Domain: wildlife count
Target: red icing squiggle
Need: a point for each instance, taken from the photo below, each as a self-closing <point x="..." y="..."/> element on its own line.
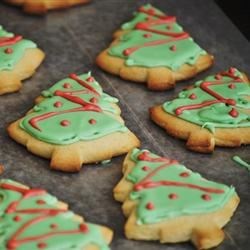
<point x="131" y="50"/>
<point x="145" y="156"/>
<point x="33" y="121"/>
<point x="219" y="99"/>
<point x="6" y="41"/>
<point x="84" y="84"/>
<point x="180" y="110"/>
<point x="150" y="12"/>
<point x="26" y="192"/>
<point x="205" y="86"/>
<point x="166" y="20"/>
<point x="15" y="241"/>
<point x="77" y="100"/>
<point x="147" y="182"/>
<point x="148" y="26"/>
<point x="70" y="96"/>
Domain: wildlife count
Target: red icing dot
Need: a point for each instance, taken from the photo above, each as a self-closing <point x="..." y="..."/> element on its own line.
<point x="233" y="112"/>
<point x="150" y="206"/>
<point x="53" y="226"/>
<point x="72" y="75"/>
<point x="231" y="86"/>
<point x="126" y="52"/>
<point x="232" y="70"/>
<point x="65" y="123"/>
<point x="178" y="112"/>
<point x="142" y="25"/>
<point x="173" y="196"/>
<point x="92" y="121"/>
<point x="138" y="188"/>
<point x="57" y="104"/>
<point x="8" y="51"/>
<point x="192" y="96"/>
<point x="40" y="202"/>
<point x="151" y="11"/>
<point x="93" y="100"/>
<point x="41" y="245"/>
<point x="184" y="174"/>
<point x="67" y="85"/>
<point x="168" y="27"/>
<point x="17" y="218"/>
<point x="90" y="79"/>
<point x="206" y="197"/>
<point x="218" y="77"/>
<point x="231" y="101"/>
<point x="147" y="35"/>
<point x="84" y="228"/>
<point x="143" y="156"/>
<point x="145" y="168"/>
<point x="173" y="48"/>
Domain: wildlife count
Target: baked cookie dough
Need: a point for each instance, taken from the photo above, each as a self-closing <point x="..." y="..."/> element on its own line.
<point x="74" y="122"/>
<point x="214" y="112"/>
<point x="165" y="201"/>
<point x="154" y="49"/>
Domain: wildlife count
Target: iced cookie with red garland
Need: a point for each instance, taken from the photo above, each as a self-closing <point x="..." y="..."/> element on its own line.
<point x="42" y="6"/>
<point x="19" y="59"/>
<point x="34" y="219"/>
<point x="165" y="201"/>
<point x="214" y="112"/>
<point x="74" y="122"/>
<point x="153" y="48"/>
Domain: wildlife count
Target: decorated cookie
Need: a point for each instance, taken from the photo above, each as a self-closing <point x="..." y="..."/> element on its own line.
<point x="42" y="6"/>
<point x="19" y="59"/>
<point x="165" y="201"/>
<point x="34" y="219"/>
<point x="215" y="111"/>
<point x="74" y="122"/>
<point x="154" y="48"/>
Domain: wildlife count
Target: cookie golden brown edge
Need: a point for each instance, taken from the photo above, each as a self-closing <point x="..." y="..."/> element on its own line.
<point x="165" y="201"/>
<point x="213" y="112"/>
<point x="153" y="49"/>
<point x="73" y="123"/>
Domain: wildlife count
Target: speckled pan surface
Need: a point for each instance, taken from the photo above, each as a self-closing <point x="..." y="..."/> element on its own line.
<point x="71" y="40"/>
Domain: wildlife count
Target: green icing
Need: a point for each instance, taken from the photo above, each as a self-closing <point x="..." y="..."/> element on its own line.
<point x="140" y="16"/>
<point x="64" y="222"/>
<point x="187" y="51"/>
<point x="8" y="61"/>
<point x="189" y="201"/>
<point x="4" y="33"/>
<point x="79" y="128"/>
<point x="215" y="115"/>
<point x="241" y="162"/>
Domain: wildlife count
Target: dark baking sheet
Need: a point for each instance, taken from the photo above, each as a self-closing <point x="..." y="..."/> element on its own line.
<point x="71" y="40"/>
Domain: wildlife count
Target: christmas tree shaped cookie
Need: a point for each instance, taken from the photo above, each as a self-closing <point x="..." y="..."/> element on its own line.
<point x="18" y="60"/>
<point x="42" y="6"/>
<point x="215" y="111"/>
<point x="74" y="122"/>
<point x="34" y="219"/>
<point x="154" y="48"/>
<point x="165" y="201"/>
